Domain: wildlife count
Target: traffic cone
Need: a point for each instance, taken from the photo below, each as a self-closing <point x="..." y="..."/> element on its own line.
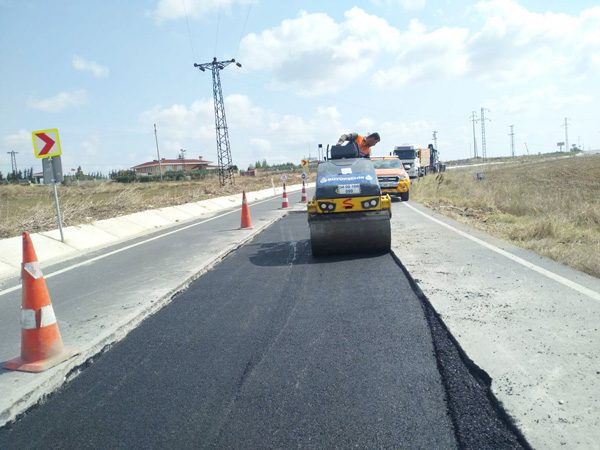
<point x="285" y="203"/>
<point x="303" y="199"/>
<point x="246" y="222"/>
<point x="41" y="345"/>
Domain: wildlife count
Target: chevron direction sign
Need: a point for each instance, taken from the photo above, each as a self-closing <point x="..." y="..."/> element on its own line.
<point x="46" y="143"/>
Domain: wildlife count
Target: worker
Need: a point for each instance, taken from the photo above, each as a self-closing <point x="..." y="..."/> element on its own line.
<point x="364" y="144"/>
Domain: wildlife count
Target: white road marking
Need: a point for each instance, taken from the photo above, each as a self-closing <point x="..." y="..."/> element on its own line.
<point x="114" y="252"/>
<point x="579" y="288"/>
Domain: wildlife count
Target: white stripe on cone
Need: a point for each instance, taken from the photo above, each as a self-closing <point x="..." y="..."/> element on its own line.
<point x="47" y="317"/>
<point x="33" y="269"/>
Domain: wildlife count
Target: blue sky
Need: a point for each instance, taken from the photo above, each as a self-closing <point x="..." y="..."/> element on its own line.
<point x="104" y="72"/>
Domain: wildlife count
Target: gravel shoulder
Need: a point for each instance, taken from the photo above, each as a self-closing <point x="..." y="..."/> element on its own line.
<point x="531" y="324"/>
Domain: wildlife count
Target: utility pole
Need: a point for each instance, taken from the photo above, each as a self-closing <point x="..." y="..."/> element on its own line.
<point x="474" y="120"/>
<point x="483" y="149"/>
<point x="566" y="125"/>
<point x="13" y="161"/>
<point x="512" y="141"/>
<point x="435" y="139"/>
<point x="157" y="152"/>
<point x="223" y="149"/>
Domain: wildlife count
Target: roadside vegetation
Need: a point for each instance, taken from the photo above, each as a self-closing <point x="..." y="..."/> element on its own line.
<point x="31" y="207"/>
<point x="549" y="205"/>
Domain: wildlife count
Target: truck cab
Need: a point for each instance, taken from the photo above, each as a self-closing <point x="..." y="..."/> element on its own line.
<point x="410" y="157"/>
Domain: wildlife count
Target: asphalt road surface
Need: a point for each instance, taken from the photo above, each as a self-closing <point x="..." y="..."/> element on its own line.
<point x="273" y="348"/>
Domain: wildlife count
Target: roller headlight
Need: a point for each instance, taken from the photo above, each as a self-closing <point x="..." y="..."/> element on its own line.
<point x="370" y="203"/>
<point x="327" y="206"/>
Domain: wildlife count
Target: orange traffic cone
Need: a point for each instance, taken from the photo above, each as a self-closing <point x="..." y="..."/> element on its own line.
<point x="303" y="199"/>
<point x="285" y="203"/>
<point x="246" y="222"/>
<point x="41" y="345"/>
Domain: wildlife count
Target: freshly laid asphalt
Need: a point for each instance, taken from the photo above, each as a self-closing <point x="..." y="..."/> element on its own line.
<point x="524" y="327"/>
<point x="273" y="348"/>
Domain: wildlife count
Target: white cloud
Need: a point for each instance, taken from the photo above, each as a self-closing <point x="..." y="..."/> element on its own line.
<point x="404" y="4"/>
<point x="241" y="113"/>
<point x="89" y="66"/>
<point x="194" y="9"/>
<point x="60" y="102"/>
<point x="515" y="45"/>
<point x="260" y="149"/>
<point x="533" y="103"/>
<point x="426" y="56"/>
<point x="397" y="133"/>
<point x="257" y="134"/>
<point x="512" y="46"/>
<point x="313" y="54"/>
<point x="295" y="132"/>
<point x="366" y="125"/>
<point x="410" y="4"/>
<point x="22" y="140"/>
<point x="90" y="147"/>
<point x="179" y="124"/>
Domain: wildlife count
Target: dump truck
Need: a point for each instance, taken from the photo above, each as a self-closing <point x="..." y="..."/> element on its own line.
<point x="348" y="213"/>
<point x="419" y="162"/>
<point x="409" y="155"/>
<point x="435" y="165"/>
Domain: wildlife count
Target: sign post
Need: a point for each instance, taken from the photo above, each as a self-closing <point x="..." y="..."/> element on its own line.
<point x="46" y="145"/>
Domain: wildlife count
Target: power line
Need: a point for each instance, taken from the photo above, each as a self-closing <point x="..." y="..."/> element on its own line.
<point x="243" y="29"/>
<point x="218" y="23"/>
<point x="189" y="32"/>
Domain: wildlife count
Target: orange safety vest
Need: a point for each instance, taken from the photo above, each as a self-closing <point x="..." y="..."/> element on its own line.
<point x="362" y="148"/>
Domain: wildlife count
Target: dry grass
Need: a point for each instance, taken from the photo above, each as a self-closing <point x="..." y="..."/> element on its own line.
<point x="32" y="208"/>
<point x="549" y="206"/>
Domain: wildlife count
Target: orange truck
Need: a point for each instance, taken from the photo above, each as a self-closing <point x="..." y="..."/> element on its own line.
<point x="391" y="176"/>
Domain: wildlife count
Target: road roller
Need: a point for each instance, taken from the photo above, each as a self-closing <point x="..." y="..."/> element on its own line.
<point x="348" y="213"/>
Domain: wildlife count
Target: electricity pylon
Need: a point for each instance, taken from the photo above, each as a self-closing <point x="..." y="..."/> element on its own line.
<point x="566" y="125"/>
<point x="474" y="120"/>
<point x="13" y="161"/>
<point x="512" y="141"/>
<point x="483" y="143"/>
<point x="223" y="149"/>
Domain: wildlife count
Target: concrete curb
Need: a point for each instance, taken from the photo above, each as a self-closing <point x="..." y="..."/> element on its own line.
<point x="85" y="238"/>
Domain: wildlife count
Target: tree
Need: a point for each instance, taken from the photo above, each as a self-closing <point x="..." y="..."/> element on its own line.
<point x="79" y="174"/>
<point x="265" y="164"/>
<point x="257" y="165"/>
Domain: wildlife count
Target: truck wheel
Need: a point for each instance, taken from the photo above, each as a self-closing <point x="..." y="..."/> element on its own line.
<point x="404" y="196"/>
